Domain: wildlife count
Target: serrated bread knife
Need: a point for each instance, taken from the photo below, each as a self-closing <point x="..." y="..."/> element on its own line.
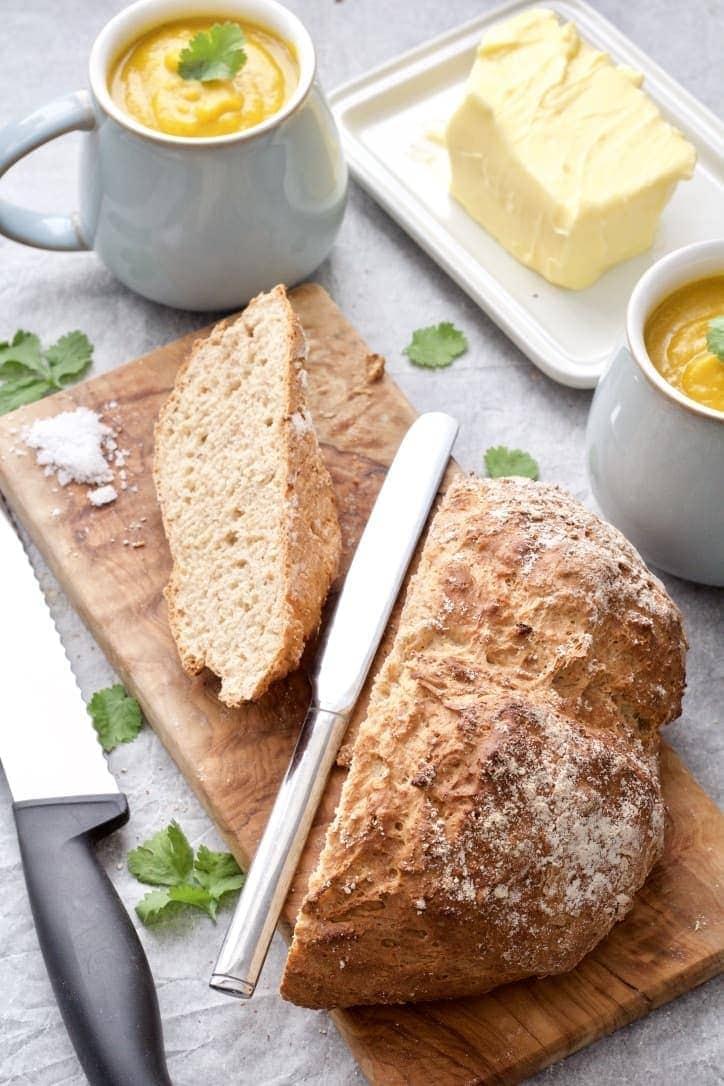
<point x="65" y="799"/>
<point x="343" y="660"/>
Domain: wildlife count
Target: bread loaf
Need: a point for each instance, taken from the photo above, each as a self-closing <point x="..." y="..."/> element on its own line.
<point x="503" y="803"/>
<point x="247" y="502"/>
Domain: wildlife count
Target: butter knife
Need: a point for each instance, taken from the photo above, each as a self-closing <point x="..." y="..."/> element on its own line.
<point x="343" y="660"/>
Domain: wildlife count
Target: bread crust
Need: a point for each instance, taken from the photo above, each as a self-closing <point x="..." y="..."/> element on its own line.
<point x="309" y="533"/>
<point x="503" y="803"/>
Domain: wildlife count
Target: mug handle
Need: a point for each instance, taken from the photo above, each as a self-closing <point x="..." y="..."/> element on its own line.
<point x="43" y="231"/>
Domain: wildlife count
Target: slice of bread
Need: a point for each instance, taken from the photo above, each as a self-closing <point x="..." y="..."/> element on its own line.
<point x="247" y="502"/>
<point x="503" y="803"/>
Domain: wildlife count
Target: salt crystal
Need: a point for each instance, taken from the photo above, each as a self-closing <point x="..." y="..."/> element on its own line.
<point x="102" y="495"/>
<point x="71" y="445"/>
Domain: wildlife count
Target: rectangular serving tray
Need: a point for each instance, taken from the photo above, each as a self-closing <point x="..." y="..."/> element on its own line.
<point x="388" y="119"/>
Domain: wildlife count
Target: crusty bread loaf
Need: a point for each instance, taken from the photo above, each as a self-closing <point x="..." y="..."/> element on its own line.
<point x="247" y="502"/>
<point x="503" y="803"/>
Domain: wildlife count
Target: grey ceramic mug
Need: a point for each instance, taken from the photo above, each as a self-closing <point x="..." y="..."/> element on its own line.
<point x="194" y="223"/>
<point x="656" y="458"/>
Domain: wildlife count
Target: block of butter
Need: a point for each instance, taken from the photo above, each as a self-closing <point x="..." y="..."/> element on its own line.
<point x="558" y="152"/>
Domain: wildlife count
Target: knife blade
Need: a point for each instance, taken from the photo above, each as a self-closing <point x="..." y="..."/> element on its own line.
<point x="64" y="799"/>
<point x="55" y="752"/>
<point x="343" y="660"/>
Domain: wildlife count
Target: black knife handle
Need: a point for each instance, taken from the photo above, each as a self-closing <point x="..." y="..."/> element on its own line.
<point x="94" y="958"/>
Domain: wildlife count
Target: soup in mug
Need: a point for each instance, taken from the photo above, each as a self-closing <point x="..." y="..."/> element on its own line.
<point x="675" y="336"/>
<point x="145" y="82"/>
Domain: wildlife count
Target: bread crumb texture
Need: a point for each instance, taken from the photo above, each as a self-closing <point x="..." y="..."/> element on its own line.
<point x="503" y="803"/>
<point x="247" y="502"/>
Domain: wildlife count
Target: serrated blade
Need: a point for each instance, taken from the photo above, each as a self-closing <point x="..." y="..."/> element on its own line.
<point x="48" y="747"/>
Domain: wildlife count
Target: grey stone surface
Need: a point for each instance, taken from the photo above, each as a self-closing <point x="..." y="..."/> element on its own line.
<point x="387" y="287"/>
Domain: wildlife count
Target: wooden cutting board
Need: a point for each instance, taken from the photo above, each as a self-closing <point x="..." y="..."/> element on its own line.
<point x="113" y="564"/>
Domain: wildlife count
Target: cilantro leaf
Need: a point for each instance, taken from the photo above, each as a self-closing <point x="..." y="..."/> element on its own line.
<point x="20" y="390"/>
<point x="23" y="354"/>
<point x="436" y="346"/>
<point x="501" y="461"/>
<point x="116" y="716"/>
<point x="156" y="903"/>
<point x="69" y="357"/>
<point x="715" y="337"/>
<point x="27" y="373"/>
<point x="152" y="904"/>
<point x="190" y="894"/>
<point x="216" y="54"/>
<point x="217" y="872"/>
<point x="166" y="859"/>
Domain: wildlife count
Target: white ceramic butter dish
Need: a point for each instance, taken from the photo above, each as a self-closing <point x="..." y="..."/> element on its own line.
<point x="388" y="120"/>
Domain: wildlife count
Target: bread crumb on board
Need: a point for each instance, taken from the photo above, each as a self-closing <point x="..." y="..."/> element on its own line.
<point x="374" y="367"/>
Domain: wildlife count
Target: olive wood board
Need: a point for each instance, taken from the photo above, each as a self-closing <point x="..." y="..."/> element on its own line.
<point x="113" y="563"/>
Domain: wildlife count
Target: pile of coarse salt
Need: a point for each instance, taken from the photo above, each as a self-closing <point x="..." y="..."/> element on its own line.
<point x="74" y="446"/>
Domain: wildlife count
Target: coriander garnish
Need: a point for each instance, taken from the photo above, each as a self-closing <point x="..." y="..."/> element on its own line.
<point x="501" y="461"/>
<point x="436" y="346"/>
<point x="116" y="716"/>
<point x="27" y="373"/>
<point x="214" y="54"/>
<point x="167" y="861"/>
<point x="715" y="337"/>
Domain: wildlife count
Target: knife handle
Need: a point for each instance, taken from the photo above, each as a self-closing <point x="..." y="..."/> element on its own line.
<point x="94" y="958"/>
